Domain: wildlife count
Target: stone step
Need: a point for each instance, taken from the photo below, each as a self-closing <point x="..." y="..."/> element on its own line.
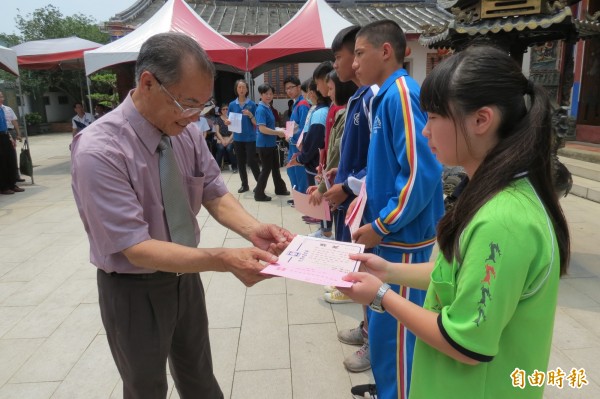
<point x="587" y="170"/>
<point x="586" y="188"/>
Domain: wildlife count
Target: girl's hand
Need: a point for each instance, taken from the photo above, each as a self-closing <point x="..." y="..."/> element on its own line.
<point x="330" y="174"/>
<point x="364" y="289"/>
<point x="315" y="197"/>
<point x="374" y="265"/>
<point x="247" y="113"/>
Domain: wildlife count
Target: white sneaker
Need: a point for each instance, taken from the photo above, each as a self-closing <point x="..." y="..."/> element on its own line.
<point x="319" y="234"/>
<point x="329" y="288"/>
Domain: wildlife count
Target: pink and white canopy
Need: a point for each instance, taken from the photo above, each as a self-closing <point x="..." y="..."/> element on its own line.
<point x="173" y="16"/>
<point x="65" y="53"/>
<point x="8" y="61"/>
<point x="313" y="28"/>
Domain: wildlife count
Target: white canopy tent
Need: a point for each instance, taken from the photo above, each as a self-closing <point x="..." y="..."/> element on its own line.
<point x="173" y="16"/>
<point x="8" y="62"/>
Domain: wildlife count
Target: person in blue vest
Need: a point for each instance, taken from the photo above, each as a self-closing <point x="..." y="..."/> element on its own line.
<point x="404" y="192"/>
<point x="266" y="144"/>
<point x="300" y="107"/>
<point x="244" y="143"/>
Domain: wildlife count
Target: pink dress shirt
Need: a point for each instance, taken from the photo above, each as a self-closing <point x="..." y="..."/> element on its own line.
<point x="115" y="180"/>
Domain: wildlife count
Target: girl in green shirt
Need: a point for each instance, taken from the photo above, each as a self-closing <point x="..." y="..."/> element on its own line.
<point x="487" y="321"/>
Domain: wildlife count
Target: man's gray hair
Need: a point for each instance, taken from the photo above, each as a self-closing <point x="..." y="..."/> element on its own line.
<point x="164" y="53"/>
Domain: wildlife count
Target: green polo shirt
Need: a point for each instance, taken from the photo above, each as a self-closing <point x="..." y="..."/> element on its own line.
<point x="497" y="305"/>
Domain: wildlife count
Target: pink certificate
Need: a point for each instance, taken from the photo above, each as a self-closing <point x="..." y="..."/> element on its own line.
<point x="317" y="261"/>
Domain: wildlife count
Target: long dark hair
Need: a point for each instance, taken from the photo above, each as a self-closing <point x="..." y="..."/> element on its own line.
<point x="343" y="90"/>
<point x="486" y="76"/>
<point x="312" y="86"/>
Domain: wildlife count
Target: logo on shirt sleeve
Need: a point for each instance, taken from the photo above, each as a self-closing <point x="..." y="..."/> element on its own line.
<point x="486" y="283"/>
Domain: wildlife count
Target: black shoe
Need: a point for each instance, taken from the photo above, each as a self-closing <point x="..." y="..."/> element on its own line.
<point x="254" y="190"/>
<point x="266" y="198"/>
<point x="243" y="189"/>
<point x="290" y="202"/>
<point x="20" y="180"/>
<point x="283" y="193"/>
<point x="364" y="391"/>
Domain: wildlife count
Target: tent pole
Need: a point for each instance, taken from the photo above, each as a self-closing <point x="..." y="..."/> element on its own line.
<point x="22" y="115"/>
<point x="87" y="79"/>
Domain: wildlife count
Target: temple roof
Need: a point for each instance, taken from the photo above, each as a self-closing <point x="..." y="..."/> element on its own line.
<point x="265" y="17"/>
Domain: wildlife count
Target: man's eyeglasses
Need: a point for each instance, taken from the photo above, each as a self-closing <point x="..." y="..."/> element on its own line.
<point x="185" y="111"/>
<point x="290" y="87"/>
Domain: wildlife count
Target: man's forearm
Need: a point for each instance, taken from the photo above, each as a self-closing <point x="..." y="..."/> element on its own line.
<point x="171" y="257"/>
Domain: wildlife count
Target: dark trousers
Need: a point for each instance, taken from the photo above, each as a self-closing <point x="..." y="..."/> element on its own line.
<point x="149" y="319"/>
<point x="8" y="162"/>
<point x="269" y="158"/>
<point x="246" y="154"/>
<point x="221" y="150"/>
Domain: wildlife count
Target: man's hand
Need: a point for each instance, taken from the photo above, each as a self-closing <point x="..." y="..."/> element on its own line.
<point x="270" y="237"/>
<point x="244" y="263"/>
<point x="335" y="195"/>
<point x="367" y="236"/>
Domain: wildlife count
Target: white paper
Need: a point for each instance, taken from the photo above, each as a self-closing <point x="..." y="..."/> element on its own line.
<point x="317" y="261"/>
<point x="290" y="126"/>
<point x="236" y="122"/>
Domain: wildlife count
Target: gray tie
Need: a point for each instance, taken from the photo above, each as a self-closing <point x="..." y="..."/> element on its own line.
<point x="174" y="197"/>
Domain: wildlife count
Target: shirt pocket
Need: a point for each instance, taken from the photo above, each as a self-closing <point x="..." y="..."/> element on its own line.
<point x="195" y="188"/>
<point x="443" y="284"/>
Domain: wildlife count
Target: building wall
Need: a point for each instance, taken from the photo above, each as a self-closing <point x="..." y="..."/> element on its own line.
<point x="56" y="112"/>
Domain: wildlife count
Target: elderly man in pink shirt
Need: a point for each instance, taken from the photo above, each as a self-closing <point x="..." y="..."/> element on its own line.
<point x="150" y="293"/>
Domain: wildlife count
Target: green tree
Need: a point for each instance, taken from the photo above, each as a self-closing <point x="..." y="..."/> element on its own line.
<point x="49" y="23"/>
<point x="104" y="85"/>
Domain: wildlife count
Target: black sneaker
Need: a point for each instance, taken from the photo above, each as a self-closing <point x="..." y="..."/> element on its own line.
<point x="243" y="189"/>
<point x="290" y="202"/>
<point x="365" y="391"/>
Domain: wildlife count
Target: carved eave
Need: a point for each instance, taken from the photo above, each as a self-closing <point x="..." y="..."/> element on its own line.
<point x="590" y="27"/>
<point x="529" y="29"/>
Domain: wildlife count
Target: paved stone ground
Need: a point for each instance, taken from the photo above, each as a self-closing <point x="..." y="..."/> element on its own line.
<point x="274" y="340"/>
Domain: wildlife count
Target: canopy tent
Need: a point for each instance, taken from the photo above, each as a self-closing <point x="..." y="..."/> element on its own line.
<point x="173" y="16"/>
<point x="66" y="53"/>
<point x="292" y="43"/>
<point x="8" y="60"/>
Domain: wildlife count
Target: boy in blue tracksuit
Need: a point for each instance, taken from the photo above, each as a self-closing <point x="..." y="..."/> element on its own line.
<point x="404" y="192"/>
<point x="297" y="174"/>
